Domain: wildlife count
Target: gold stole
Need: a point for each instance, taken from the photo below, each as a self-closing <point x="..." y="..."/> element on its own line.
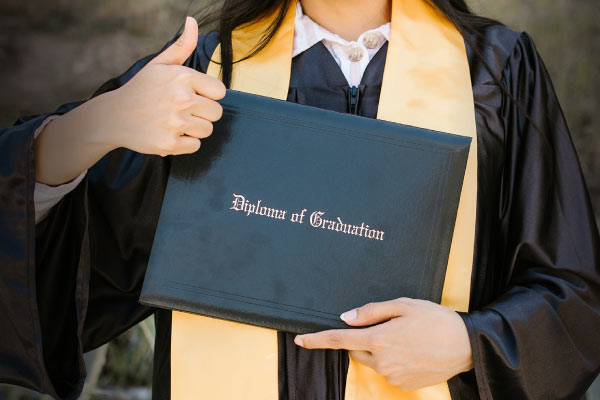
<point x="426" y="83"/>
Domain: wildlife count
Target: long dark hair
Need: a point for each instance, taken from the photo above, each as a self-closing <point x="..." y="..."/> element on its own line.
<point x="226" y="15"/>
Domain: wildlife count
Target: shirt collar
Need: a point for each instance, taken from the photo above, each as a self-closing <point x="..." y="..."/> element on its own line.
<point x="307" y="33"/>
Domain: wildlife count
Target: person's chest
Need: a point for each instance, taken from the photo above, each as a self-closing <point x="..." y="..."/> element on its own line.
<point x="317" y="80"/>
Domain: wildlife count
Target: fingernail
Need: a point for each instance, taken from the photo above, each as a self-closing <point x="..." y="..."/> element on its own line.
<point x="348" y="316"/>
<point x="298" y="341"/>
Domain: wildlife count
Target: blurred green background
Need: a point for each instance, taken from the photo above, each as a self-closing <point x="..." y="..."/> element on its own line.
<point x="53" y="52"/>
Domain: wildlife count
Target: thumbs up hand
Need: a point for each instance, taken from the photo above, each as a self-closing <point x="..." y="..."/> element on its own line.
<point x="165" y="108"/>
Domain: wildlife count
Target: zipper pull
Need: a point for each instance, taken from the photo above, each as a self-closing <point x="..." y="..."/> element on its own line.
<point x="353" y="100"/>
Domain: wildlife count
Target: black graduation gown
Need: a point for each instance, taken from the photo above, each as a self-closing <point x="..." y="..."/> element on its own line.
<point x="71" y="283"/>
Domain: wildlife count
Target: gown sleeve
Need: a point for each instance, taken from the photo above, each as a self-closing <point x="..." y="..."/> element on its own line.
<point x="540" y="337"/>
<point x="72" y="282"/>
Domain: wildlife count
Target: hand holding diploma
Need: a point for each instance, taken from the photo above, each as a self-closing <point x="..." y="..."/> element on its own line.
<point x="165" y="109"/>
<point x="417" y="343"/>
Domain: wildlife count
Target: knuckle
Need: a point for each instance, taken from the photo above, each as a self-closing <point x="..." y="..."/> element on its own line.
<point x="405" y="301"/>
<point x="176" y="123"/>
<point x="178" y="76"/>
<point x="334" y="340"/>
<point x="182" y="99"/>
<point x="185" y="74"/>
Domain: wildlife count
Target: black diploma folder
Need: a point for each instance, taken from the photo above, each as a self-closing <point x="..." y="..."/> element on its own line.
<point x="289" y="215"/>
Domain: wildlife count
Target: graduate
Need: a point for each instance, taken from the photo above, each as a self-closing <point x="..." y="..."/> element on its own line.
<point x="82" y="187"/>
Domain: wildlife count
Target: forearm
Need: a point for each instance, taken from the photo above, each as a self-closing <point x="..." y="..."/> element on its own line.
<point x="72" y="143"/>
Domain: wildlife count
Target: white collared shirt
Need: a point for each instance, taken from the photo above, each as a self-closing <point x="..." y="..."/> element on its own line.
<point x="352" y="58"/>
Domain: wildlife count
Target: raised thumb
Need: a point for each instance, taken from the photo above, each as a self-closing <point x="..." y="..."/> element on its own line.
<point x="182" y="48"/>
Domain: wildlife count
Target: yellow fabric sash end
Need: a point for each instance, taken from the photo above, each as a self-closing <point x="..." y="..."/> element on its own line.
<point x="427" y="84"/>
<point x="217" y="359"/>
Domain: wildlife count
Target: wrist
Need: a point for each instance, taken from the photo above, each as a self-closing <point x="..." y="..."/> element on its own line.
<point x="464" y="351"/>
<point x="92" y="123"/>
<point x="69" y="145"/>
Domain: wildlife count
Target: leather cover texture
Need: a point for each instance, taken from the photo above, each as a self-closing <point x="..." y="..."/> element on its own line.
<point x="289" y="215"/>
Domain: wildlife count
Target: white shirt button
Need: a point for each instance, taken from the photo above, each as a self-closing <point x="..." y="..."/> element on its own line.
<point x="355" y="53"/>
<point x="371" y="40"/>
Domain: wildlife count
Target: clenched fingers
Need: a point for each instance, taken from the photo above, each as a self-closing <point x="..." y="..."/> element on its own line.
<point x="197" y="127"/>
<point x="205" y="108"/>
<point x="207" y="86"/>
<point x="186" y="145"/>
